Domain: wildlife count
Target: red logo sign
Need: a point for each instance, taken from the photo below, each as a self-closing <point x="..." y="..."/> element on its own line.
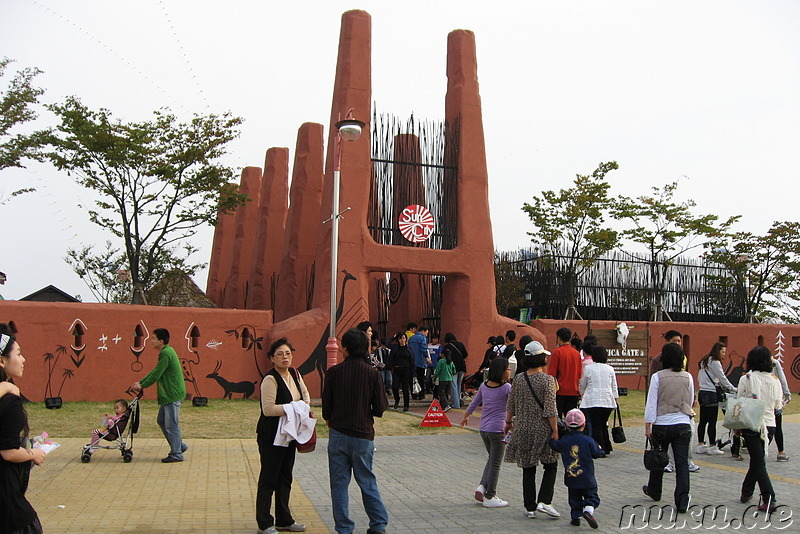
<point x="416" y="223"/>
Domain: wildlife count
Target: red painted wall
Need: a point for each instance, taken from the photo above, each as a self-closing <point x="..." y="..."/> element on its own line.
<point x="102" y="364"/>
<point x="697" y="341"/>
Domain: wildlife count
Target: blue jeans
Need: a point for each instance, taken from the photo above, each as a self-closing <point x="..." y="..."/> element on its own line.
<point x="168" y="421"/>
<point x="386" y="374"/>
<point x="680" y="437"/>
<point x="455" y="397"/>
<point x="347" y="455"/>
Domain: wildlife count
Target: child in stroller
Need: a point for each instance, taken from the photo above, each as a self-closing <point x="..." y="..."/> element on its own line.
<point x="109" y="422"/>
<point x="119" y="430"/>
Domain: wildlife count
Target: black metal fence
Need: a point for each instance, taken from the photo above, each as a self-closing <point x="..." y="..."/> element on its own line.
<point x="618" y="287"/>
<point x="415" y="162"/>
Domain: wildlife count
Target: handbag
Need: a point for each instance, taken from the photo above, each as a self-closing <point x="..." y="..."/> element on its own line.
<point x="563" y="430"/>
<point x="744" y="412"/>
<point x="655" y="458"/>
<point x="721" y="396"/>
<point x="309" y="445"/>
<point x="415" y="387"/>
<point x="617" y="432"/>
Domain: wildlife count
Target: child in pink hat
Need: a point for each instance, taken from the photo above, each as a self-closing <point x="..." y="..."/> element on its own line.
<point x="578" y="452"/>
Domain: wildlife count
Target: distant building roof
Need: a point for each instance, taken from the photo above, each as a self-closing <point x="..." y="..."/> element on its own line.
<point x="50" y="294"/>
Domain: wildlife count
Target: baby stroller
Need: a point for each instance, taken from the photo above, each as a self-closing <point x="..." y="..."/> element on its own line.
<point x="471" y="383"/>
<point x="120" y="434"/>
<point x="736" y="442"/>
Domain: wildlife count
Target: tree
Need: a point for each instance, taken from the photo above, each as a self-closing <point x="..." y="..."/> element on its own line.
<point x="570" y="222"/>
<point x="762" y="268"/>
<point x="158" y="181"/>
<point x="16" y="108"/>
<point x="667" y="229"/>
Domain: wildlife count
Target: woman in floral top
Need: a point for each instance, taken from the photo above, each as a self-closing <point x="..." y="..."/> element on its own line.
<point x="532" y="417"/>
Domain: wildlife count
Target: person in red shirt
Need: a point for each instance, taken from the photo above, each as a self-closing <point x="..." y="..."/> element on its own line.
<point x="564" y="365"/>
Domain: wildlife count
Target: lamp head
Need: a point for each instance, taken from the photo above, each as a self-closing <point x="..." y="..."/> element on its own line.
<point x="350" y="129"/>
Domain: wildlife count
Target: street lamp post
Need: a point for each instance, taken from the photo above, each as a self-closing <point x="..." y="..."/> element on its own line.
<point x="349" y="130"/>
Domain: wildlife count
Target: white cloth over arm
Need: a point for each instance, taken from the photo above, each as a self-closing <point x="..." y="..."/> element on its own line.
<point x="295" y="425"/>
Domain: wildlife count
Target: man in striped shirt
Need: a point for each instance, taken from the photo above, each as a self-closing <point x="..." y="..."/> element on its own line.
<point x="352" y="395"/>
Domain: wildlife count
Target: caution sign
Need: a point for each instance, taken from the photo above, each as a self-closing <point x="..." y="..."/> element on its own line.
<point x="435" y="416"/>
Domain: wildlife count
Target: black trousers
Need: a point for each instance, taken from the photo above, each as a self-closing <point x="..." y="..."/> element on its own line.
<point x="757" y="472"/>
<point x="401" y="378"/>
<point x="529" y="497"/>
<point x="275" y="478"/>
<point x="679" y="436"/>
<point x="421" y="380"/>
<point x="565" y="403"/>
<point x="597" y="424"/>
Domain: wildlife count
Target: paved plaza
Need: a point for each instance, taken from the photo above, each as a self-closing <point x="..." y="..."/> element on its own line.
<point x="426" y="482"/>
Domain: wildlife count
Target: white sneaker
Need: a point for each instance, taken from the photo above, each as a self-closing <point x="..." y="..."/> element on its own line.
<point x="693" y="467"/>
<point x="548" y="510"/>
<point x="701" y="449"/>
<point x="713" y="451"/>
<point x="669" y="468"/>
<point x="530" y="515"/>
<point x="494" y="502"/>
<point x="479" y="491"/>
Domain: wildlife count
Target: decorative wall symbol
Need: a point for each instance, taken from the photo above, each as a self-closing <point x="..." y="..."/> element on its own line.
<point x="213" y="344"/>
<point x="102" y="340"/>
<point x="140" y="335"/>
<point x="250" y="342"/>
<point x="116" y="339"/>
<point x="319" y="357"/>
<point x="416" y="223"/>
<point x="78" y="330"/>
<point x="51" y="360"/>
<point x="245" y="388"/>
<point x="191" y="336"/>
<point x="779" y="346"/>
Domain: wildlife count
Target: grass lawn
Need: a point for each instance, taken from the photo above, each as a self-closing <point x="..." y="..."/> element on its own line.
<point x="238" y="418"/>
<point x="220" y="419"/>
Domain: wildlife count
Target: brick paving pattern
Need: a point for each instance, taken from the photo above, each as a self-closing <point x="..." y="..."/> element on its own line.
<point x="426" y="482"/>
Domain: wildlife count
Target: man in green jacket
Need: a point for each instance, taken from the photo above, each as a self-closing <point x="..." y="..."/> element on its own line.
<point x="168" y="377"/>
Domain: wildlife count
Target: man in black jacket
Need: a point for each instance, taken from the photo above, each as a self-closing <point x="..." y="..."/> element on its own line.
<point x="352" y="395"/>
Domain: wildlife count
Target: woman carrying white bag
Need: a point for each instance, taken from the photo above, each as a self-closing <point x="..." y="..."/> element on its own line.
<point x="759" y="383"/>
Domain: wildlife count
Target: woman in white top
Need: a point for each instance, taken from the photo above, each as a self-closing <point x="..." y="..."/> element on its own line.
<point x="760" y="383"/>
<point x="598" y="389"/>
<point x="281" y="385"/>
<point x="709" y="377"/>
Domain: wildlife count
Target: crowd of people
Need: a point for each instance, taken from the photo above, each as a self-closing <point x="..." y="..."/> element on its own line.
<point x="536" y="406"/>
<point x="525" y="391"/>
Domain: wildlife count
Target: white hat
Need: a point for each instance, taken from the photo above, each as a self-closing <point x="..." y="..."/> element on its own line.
<point x="534" y="347"/>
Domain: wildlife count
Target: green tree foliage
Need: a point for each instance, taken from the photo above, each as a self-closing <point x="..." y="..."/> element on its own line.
<point x="667" y="229"/>
<point x="17" y="101"/>
<point x="763" y="269"/>
<point x="570" y="222"/>
<point x="157" y="181"/>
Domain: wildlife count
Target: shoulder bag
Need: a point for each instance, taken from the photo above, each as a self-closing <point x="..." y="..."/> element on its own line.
<point x="721" y="396"/>
<point x="655" y="458"/>
<point x="562" y="426"/>
<point x="617" y="432"/>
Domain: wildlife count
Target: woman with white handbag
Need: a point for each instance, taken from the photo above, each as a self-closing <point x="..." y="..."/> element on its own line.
<point x="760" y="383"/>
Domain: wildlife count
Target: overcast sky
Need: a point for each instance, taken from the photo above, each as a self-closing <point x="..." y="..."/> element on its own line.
<point x="708" y="91"/>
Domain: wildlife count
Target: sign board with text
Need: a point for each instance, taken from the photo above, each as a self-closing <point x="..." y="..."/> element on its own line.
<point x="633" y="359"/>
